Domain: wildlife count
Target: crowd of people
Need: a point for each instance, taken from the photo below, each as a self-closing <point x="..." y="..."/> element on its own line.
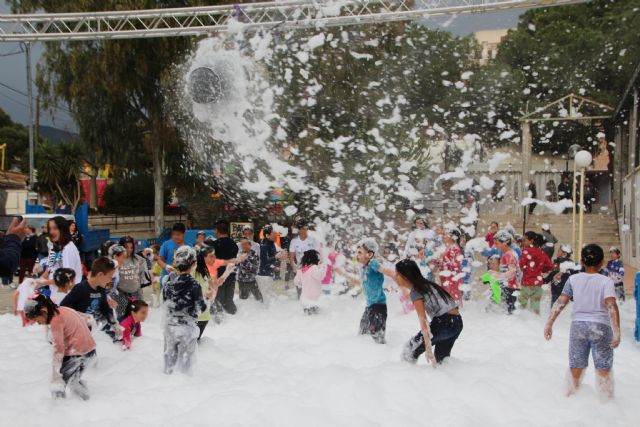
<point x="433" y="275"/>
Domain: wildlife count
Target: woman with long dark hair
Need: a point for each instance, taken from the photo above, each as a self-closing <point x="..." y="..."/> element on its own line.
<point x="431" y="302"/>
<point x="132" y="276"/>
<point x="62" y="253"/>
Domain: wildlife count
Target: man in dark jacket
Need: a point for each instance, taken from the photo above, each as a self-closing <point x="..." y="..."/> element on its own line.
<point x="29" y="253"/>
<point x="10" y="247"/>
<point x="268" y="257"/>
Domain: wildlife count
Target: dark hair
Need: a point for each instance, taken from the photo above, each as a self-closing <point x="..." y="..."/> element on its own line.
<point x="34" y="306"/>
<point x="134" y="305"/>
<point x="102" y="265"/>
<point x="268" y="229"/>
<point x="32" y="228"/>
<point x="536" y="238"/>
<point x="410" y="270"/>
<point x="179" y="227"/>
<point x="615" y="250"/>
<point x="496" y="223"/>
<point x="104" y="247"/>
<point x="222" y="227"/>
<point x="65" y="234"/>
<point x="201" y="266"/>
<point x="310" y="257"/>
<point x="302" y="222"/>
<point x="62" y="276"/>
<point x="424" y="221"/>
<point x="592" y="255"/>
<point x="455" y="233"/>
<point x="124" y="241"/>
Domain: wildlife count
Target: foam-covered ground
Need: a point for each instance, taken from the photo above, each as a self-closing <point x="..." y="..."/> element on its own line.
<point x="278" y="367"/>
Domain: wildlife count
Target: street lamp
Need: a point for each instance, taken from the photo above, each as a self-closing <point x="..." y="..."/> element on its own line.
<point x="573" y="150"/>
<point x="582" y="160"/>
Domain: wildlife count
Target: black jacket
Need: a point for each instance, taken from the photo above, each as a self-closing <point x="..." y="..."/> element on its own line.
<point x="10" y="248"/>
<point x="84" y="299"/>
<point x="226" y="248"/>
<point x="268" y="259"/>
<point x="29" y="250"/>
<point x="183" y="298"/>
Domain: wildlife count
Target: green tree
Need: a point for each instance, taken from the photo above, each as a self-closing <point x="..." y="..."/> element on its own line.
<point x="16" y="138"/>
<point x="59" y="167"/>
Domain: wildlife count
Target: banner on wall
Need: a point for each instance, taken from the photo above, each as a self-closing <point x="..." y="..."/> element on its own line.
<point x="101" y="185"/>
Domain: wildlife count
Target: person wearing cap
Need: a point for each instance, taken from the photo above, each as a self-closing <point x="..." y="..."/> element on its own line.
<point x="615" y="271"/>
<point x="301" y="244"/>
<point x="184" y="302"/>
<point x="247" y="233"/>
<point x="450" y="264"/>
<point x="509" y="269"/>
<point x="269" y="256"/>
<point x="550" y="241"/>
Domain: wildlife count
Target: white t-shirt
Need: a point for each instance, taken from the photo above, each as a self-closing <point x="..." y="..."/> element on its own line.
<point x="25" y="290"/>
<point x="58" y="296"/>
<point x="299" y="247"/>
<point x="69" y="257"/>
<point x="589" y="292"/>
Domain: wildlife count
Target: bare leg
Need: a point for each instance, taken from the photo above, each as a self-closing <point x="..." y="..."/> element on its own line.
<point x="574" y="379"/>
<point x="604" y="384"/>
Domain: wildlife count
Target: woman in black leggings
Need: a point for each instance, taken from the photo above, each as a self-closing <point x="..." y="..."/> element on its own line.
<point x="431" y="302"/>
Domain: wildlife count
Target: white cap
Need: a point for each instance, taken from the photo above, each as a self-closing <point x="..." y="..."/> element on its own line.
<point x="566" y="248"/>
<point x="545" y="227"/>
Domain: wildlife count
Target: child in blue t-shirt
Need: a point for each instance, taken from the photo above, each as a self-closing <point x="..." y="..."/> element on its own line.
<point x="374" y="319"/>
<point x="615" y="271"/>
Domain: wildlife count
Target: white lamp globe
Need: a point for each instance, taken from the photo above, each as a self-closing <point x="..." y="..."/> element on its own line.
<point x="583" y="159"/>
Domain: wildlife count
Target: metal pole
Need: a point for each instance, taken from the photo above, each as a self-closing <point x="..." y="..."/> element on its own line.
<point x="31" y="140"/>
<point x="573" y="220"/>
<point x="580" y="234"/>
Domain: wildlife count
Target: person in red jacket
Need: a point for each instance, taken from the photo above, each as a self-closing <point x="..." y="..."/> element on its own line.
<point x="533" y="263"/>
<point x="137" y="311"/>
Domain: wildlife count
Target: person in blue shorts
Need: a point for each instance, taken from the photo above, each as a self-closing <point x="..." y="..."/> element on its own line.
<point x="595" y="322"/>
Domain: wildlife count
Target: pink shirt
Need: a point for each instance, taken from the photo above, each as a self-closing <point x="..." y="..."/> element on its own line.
<point x="130" y="328"/>
<point x="70" y="335"/>
<point x="309" y="278"/>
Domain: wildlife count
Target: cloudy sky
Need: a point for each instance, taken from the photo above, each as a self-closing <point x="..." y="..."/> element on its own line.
<point x="13" y="83"/>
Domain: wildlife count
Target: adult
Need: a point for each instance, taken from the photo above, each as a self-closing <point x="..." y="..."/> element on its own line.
<point x="589" y="196"/>
<point x="63" y="253"/>
<point x="29" y="253"/>
<point x="565" y="191"/>
<point x="169" y="248"/>
<point x="10" y="247"/>
<point x="493" y="229"/>
<point x="247" y="233"/>
<point x="132" y="276"/>
<point x="550" y="241"/>
<point x="420" y="235"/>
<point x="76" y="237"/>
<point x="269" y="255"/>
<point x="42" y="244"/>
<point x="301" y="244"/>
<point x="431" y="302"/>
<point x="226" y="249"/>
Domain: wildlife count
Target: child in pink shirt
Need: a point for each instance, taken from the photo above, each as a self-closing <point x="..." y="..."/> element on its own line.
<point x="137" y="311"/>
<point x="73" y="345"/>
<point x="309" y="279"/>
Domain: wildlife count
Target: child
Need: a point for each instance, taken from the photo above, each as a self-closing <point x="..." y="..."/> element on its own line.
<point x="509" y="269"/>
<point x="309" y="280"/>
<point x="137" y="311"/>
<point x="64" y="279"/>
<point x="595" y="322"/>
<point x="73" y="345"/>
<point x="90" y="296"/>
<point x="615" y="270"/>
<point x="533" y="264"/>
<point x="432" y="302"/>
<point x="450" y="264"/>
<point x="563" y="267"/>
<point x="374" y="319"/>
<point x="20" y="297"/>
<point x="493" y="267"/>
<point x="247" y="271"/>
<point x="183" y="302"/>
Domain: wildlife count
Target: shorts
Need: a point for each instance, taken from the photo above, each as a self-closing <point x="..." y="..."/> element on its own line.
<point x="594" y="337"/>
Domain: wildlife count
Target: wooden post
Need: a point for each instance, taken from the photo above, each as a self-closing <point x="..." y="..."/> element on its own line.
<point x="574" y="241"/>
<point x="526" y="156"/>
<point x="578" y="250"/>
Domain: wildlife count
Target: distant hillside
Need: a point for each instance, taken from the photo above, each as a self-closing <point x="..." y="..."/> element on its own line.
<point x="56" y="135"/>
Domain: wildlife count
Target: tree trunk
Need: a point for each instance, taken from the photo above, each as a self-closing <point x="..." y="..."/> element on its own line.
<point x="158" y="186"/>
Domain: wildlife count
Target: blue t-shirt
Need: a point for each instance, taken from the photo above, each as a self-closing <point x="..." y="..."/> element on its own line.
<point x="372" y="282"/>
<point x="167" y="250"/>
